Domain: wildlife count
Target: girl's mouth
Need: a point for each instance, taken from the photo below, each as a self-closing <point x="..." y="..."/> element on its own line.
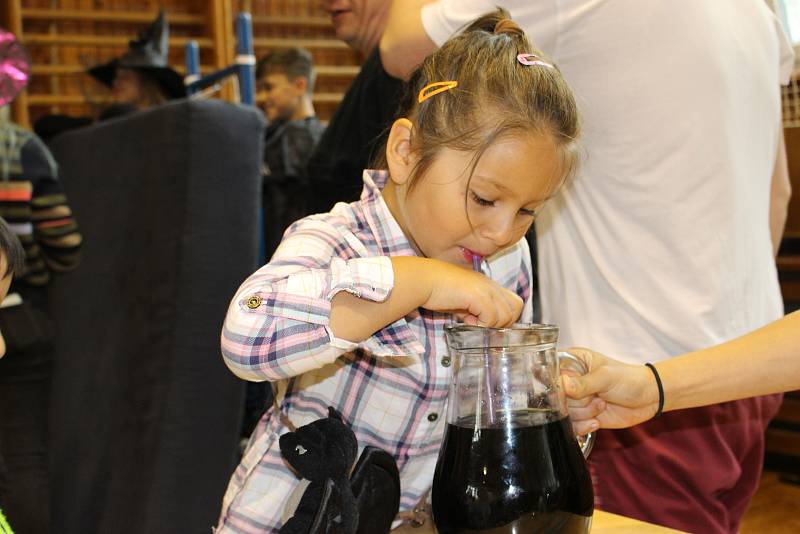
<point x="471" y="257"/>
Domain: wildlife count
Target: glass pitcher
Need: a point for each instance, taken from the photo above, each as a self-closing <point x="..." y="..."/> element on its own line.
<point x="510" y="462"/>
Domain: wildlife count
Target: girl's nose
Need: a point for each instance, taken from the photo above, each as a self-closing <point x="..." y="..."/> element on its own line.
<point x="500" y="231"/>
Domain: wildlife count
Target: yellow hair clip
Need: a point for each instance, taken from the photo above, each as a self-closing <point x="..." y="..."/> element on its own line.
<point x="434" y="89"/>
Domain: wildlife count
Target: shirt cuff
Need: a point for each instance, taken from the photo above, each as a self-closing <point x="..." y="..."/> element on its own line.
<point x="366" y="278"/>
<point x="342" y="344"/>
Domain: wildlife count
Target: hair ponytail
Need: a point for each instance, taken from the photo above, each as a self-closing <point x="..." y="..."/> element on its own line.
<point x="509" y="27"/>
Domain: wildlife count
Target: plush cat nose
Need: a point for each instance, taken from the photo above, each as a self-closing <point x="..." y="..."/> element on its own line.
<point x="300" y="450"/>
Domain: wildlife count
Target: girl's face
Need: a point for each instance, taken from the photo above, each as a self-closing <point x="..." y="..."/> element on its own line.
<point x="449" y="217"/>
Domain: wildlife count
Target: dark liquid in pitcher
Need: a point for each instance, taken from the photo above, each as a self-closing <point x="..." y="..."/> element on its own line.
<point x="514" y="478"/>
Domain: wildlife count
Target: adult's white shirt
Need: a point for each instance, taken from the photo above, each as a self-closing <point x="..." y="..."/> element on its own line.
<point x="661" y="244"/>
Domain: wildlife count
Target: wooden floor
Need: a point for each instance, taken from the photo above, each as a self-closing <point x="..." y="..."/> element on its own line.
<point x="775" y="508"/>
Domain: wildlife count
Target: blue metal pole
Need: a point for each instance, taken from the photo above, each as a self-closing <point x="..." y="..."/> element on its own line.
<point x="245" y="58"/>
<point x="246" y="63"/>
<point x="192" y="52"/>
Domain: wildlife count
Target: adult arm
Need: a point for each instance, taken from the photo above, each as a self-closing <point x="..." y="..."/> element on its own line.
<point x="780" y="193"/>
<point x="763" y="362"/>
<point x="405" y="43"/>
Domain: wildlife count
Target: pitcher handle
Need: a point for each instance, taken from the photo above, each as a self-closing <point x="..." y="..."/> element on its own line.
<point x="586" y="442"/>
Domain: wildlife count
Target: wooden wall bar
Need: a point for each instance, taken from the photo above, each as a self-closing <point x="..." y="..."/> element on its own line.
<point x="65" y="37"/>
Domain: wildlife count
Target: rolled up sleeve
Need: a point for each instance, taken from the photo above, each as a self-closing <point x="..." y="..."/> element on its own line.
<point x="277" y="325"/>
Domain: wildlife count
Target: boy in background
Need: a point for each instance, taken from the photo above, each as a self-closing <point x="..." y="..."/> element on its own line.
<point x="285" y="84"/>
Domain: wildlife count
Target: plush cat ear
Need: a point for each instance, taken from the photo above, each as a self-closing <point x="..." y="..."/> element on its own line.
<point x="333" y="414"/>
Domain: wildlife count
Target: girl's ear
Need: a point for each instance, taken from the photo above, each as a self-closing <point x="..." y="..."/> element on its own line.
<point x="399" y="157"/>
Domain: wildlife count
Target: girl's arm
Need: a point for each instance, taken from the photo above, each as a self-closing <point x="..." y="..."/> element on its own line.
<point x="760" y="363"/>
<point x="277" y="324"/>
<point x="431" y="284"/>
<point x="308" y="305"/>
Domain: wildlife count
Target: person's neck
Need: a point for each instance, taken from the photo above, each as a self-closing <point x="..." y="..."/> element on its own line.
<point x="368" y="45"/>
<point x="304" y="110"/>
<point x="374" y="30"/>
<point x="390" y="193"/>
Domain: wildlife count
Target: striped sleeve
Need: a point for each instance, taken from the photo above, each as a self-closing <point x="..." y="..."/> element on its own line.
<point x="277" y="325"/>
<point x="54" y="228"/>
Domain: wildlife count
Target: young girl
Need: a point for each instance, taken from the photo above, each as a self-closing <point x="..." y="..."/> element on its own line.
<point x="350" y="311"/>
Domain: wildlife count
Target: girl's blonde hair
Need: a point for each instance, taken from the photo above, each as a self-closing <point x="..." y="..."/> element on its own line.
<point x="496" y="96"/>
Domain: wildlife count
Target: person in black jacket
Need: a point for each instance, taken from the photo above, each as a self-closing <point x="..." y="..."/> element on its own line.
<point x="357" y="128"/>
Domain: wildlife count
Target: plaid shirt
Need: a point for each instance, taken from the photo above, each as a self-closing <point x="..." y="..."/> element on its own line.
<point x="391" y="388"/>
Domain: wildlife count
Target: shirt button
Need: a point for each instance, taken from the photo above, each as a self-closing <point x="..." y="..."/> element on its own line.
<point x="446" y="361"/>
<point x="253" y="302"/>
<point x="433" y="417"/>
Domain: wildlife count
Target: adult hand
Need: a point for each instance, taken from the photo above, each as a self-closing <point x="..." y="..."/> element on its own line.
<point x="611" y="395"/>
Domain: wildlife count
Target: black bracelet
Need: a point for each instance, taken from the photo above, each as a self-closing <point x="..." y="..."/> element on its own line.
<point x="660" y="389"/>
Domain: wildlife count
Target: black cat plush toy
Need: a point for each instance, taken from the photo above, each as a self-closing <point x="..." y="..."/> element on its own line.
<point x="335" y="502"/>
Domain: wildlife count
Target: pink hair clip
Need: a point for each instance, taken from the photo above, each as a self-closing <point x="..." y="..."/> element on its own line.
<point x="533" y="59"/>
<point x="434" y="89"/>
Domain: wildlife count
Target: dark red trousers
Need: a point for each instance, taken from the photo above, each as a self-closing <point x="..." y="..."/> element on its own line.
<point x="693" y="470"/>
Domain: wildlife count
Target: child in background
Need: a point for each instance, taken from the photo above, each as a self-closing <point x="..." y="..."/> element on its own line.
<point x="33" y="203"/>
<point x="12" y="262"/>
<point x="285" y="83"/>
<point x="350" y="311"/>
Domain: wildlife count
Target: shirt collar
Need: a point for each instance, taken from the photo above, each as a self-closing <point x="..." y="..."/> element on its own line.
<point x="389" y="237"/>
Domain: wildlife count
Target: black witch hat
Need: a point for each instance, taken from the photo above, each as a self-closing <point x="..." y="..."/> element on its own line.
<point x="148" y="53"/>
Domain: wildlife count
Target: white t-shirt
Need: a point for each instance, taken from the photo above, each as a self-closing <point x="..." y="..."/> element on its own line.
<point x="661" y="244"/>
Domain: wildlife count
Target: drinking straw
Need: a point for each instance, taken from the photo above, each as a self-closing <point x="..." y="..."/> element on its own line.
<point x="476" y="266"/>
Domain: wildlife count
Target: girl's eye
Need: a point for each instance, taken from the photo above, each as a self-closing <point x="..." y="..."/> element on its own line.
<point x="481" y="201"/>
<point x="529" y="213"/>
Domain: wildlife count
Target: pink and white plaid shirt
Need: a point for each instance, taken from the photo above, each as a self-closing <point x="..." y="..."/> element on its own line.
<point x="391" y="388"/>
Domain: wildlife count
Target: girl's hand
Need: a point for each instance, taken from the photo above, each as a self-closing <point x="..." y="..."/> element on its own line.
<point x="611" y="395"/>
<point x="472" y="296"/>
<point x="425" y="283"/>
